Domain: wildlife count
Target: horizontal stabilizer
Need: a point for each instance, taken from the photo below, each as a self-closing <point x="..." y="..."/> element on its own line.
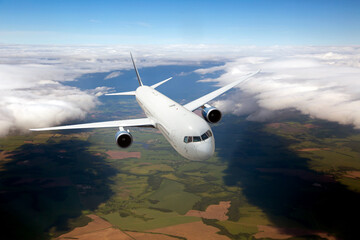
<point x="158" y="84"/>
<point x="131" y="93"/>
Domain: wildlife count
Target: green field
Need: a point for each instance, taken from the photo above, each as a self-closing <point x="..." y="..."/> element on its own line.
<point x="146" y="219"/>
<point x="171" y="195"/>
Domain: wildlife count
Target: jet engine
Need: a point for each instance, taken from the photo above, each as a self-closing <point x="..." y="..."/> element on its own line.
<point x="123" y="138"/>
<point x="211" y="114"/>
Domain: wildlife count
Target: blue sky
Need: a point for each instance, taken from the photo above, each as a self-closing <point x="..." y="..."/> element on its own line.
<point x="239" y="22"/>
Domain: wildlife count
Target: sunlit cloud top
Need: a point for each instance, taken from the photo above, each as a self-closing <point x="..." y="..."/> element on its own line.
<point x="321" y="82"/>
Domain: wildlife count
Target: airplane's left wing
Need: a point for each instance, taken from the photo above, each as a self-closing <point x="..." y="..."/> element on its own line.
<point x="191" y="106"/>
<point x="140" y="122"/>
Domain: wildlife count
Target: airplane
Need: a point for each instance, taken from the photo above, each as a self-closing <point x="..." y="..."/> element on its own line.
<point x="188" y="133"/>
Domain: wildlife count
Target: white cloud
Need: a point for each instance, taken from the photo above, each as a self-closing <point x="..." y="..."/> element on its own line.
<point x="22" y="109"/>
<point x="320" y="81"/>
<point x="112" y="75"/>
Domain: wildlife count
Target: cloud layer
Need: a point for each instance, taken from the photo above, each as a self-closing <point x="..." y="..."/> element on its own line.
<point x="32" y="93"/>
<point x="322" y="82"/>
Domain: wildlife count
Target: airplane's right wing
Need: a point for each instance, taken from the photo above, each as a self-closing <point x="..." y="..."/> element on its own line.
<point x="191" y="106"/>
<point x="140" y="122"/>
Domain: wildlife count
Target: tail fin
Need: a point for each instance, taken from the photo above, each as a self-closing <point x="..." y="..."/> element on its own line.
<point x="137" y="73"/>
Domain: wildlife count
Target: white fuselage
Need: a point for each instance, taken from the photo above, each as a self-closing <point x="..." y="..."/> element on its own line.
<point x="176" y="122"/>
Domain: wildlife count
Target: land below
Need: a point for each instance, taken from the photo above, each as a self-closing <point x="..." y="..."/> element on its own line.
<point x="266" y="181"/>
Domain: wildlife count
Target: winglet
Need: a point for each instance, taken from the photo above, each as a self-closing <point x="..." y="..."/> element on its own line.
<point x="137" y="73"/>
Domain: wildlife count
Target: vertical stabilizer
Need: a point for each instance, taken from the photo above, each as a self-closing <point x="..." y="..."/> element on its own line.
<point x="137" y="73"/>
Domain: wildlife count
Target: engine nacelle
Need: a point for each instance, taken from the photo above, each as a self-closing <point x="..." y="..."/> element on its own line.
<point x="211" y="114"/>
<point x="123" y="138"/>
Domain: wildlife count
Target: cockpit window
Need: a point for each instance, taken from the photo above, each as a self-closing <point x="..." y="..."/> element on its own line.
<point x="197" y="139"/>
<point x="187" y="139"/>
<point x="203" y="137"/>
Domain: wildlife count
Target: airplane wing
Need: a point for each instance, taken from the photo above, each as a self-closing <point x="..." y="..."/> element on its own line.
<point x="191" y="106"/>
<point x="140" y="122"/>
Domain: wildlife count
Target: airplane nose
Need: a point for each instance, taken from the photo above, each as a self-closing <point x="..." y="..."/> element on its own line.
<point x="206" y="149"/>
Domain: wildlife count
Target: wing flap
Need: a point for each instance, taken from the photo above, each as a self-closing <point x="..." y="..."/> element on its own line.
<point x="191" y="106"/>
<point x="140" y="122"/>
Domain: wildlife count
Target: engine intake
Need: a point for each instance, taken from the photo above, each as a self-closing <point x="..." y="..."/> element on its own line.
<point x="211" y="114"/>
<point x="123" y="138"/>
